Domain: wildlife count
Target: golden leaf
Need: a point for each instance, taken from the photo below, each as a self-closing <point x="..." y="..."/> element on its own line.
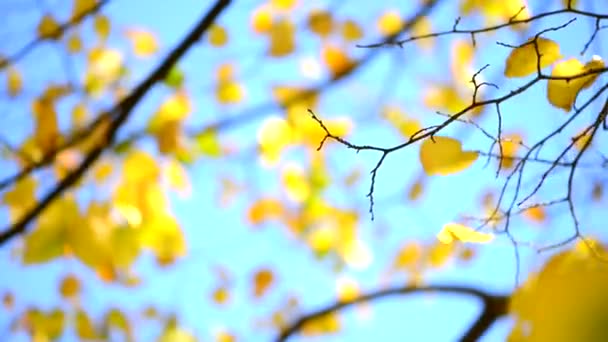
<point x="48" y="28"/>
<point x="457" y="232"/>
<point x="144" y="43"/>
<point x="14" y="82"/>
<point x="320" y="22"/>
<point x="282" y="38"/>
<point x="524" y="60"/>
<point x="563" y="93"/>
<point x="443" y="156"/>
<point x="390" y="23"/>
<point x="217" y="36"/>
<point x="263" y="279"/>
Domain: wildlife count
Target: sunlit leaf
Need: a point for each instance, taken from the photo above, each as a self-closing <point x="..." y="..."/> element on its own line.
<point x="389" y="23"/>
<point x="74" y="43"/>
<point x="229" y="92"/>
<point x="457" y="232"/>
<point x="14" y="82"/>
<point x="21" y="197"/>
<point x="563" y="93"/>
<point x="337" y="60"/>
<point x="351" y="31"/>
<point x="81" y="7"/>
<point x="144" y="43"/>
<point x="444" y="155"/>
<point x="510" y="144"/>
<point x="217" y="36"/>
<point x="536" y="214"/>
<point x="347" y="289"/>
<point x="273" y="136"/>
<point x="84" y="326"/>
<point x="284" y="4"/>
<point x="524" y="60"/>
<point x="102" y="26"/>
<point x="69" y="286"/>
<point x="264" y="209"/>
<point x="320" y="22"/>
<point x="261" y="19"/>
<point x="262" y="280"/>
<point x="48" y="28"/>
<point x="322" y="325"/>
<point x="175" y="78"/>
<point x="295" y="182"/>
<point x="282" y="38"/>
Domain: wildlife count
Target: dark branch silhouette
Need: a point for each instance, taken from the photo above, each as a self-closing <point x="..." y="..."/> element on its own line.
<point x="494" y="307"/>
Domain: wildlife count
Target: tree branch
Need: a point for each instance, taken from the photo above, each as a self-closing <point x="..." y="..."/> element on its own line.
<point x="495" y="306"/>
<point x="61" y="29"/>
<point x="118" y="115"/>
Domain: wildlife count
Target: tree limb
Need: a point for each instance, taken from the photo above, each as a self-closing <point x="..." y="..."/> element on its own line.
<point x="119" y="114"/>
<point x="495" y="306"/>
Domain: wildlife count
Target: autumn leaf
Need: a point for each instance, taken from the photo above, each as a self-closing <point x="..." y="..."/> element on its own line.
<point x="531" y="56"/>
<point x="563" y="93"/>
<point x="262" y="280"/>
<point x="457" y="232"/>
<point x="217" y="36"/>
<point x="14" y="82"/>
<point x="144" y="43"/>
<point x="49" y="28"/>
<point x="282" y="38"/>
<point x="389" y="23"/>
<point x="320" y="22"/>
<point x="443" y="156"/>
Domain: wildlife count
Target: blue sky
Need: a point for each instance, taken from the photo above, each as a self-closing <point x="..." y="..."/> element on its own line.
<point x="221" y="236"/>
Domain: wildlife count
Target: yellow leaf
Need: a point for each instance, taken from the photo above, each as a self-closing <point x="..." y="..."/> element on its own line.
<point x="573" y="284"/>
<point x="524" y="60"/>
<point x="102" y="171"/>
<point x="408" y="256"/>
<point x="443" y="156"/>
<point x="457" y="232"/>
<point x="261" y="19"/>
<point x="416" y="190"/>
<point x="510" y="144"/>
<point x="102" y="26"/>
<point x="295" y="183"/>
<point x="84" y="326"/>
<point x="284" y="4"/>
<point x="282" y="38"/>
<point x="445" y="97"/>
<point x="44" y="326"/>
<point x="21" y="198"/>
<point x="177" y="177"/>
<point x="337" y="60"/>
<point x="263" y="279"/>
<point x="325" y="324"/>
<point x="140" y="166"/>
<point x="14" y="82"/>
<point x="536" y="214"/>
<point x="462" y="53"/>
<point x="144" y="43"/>
<point x="439" y="255"/>
<point x="320" y="22"/>
<point x="220" y="295"/>
<point x="563" y="93"/>
<point x="273" y="136"/>
<point x="582" y="139"/>
<point x="8" y="301"/>
<point x="74" y="43"/>
<point x="48" y="28"/>
<point x="347" y="289"/>
<point x="217" y="35"/>
<point x="229" y="92"/>
<point x="356" y="253"/>
<point x="46" y="131"/>
<point x="351" y="31"/>
<point x="165" y="238"/>
<point x="82" y="7"/>
<point x="423" y="27"/>
<point x="69" y="286"/>
<point x="208" y="143"/>
<point x="264" y="209"/>
<point x="390" y="23"/>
